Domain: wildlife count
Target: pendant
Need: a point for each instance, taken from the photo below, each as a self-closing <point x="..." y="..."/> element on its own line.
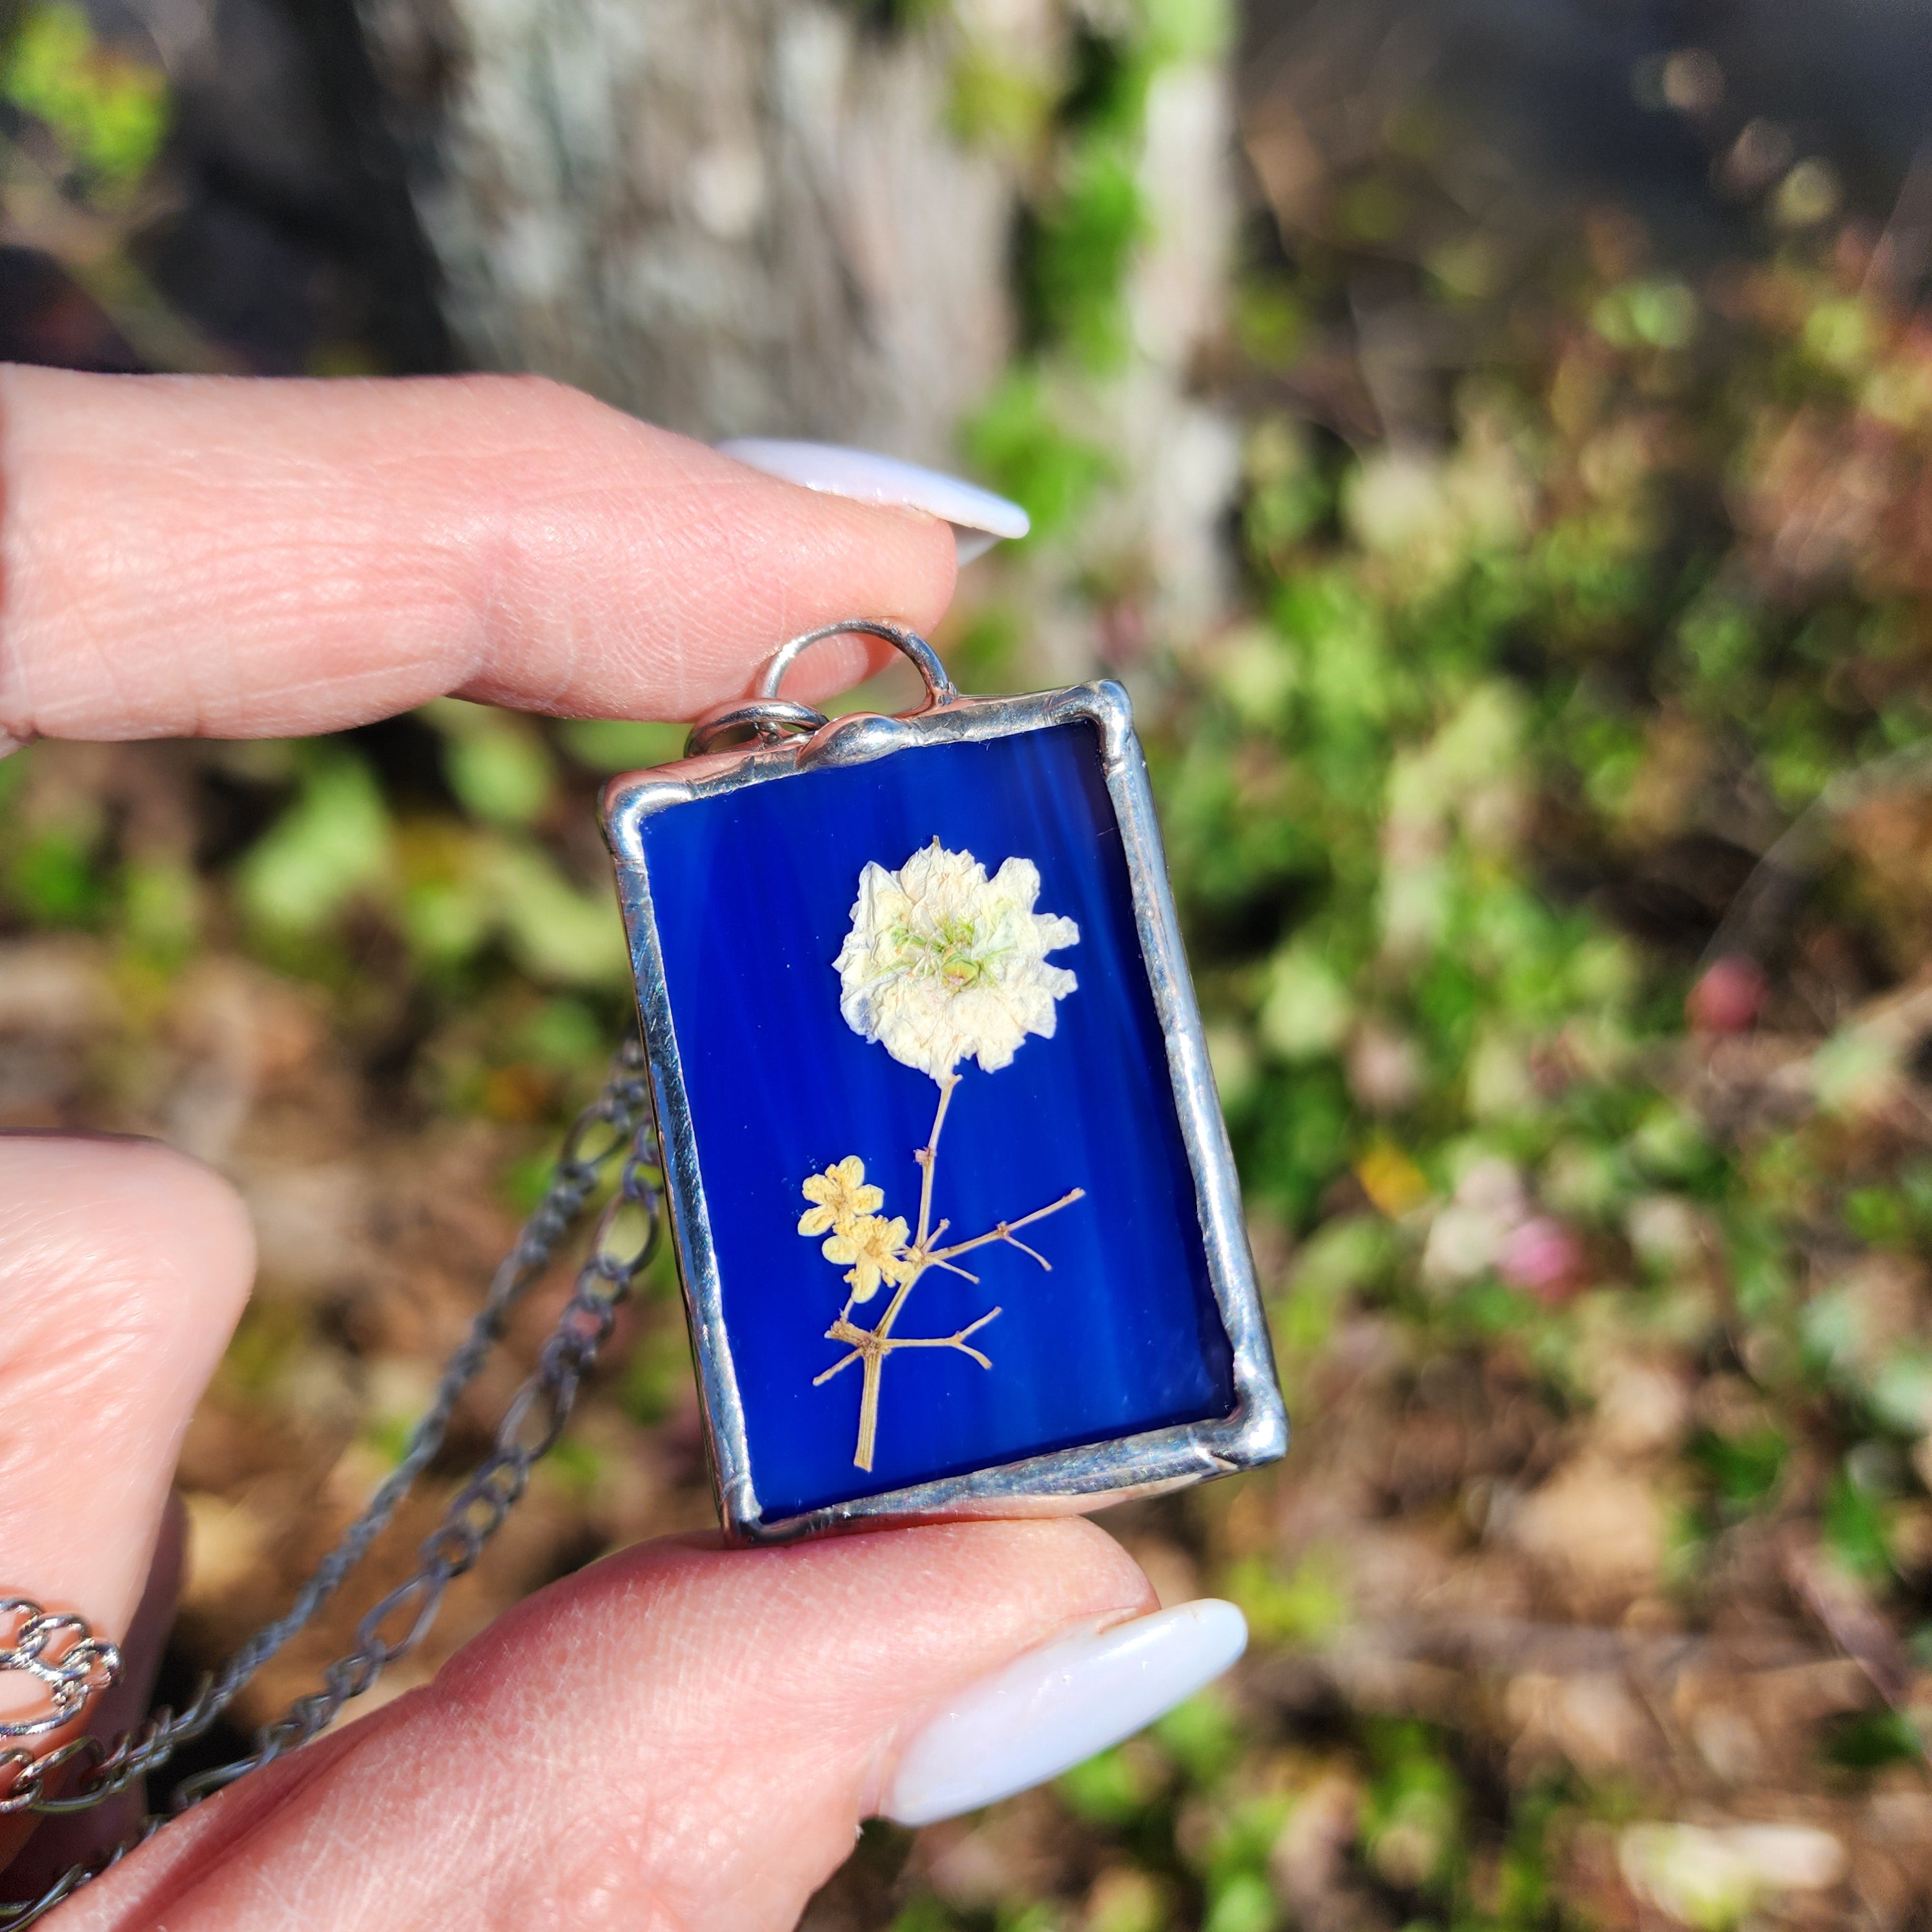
<point x="953" y="1206"/>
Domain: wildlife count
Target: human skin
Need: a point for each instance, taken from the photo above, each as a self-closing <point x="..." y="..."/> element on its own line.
<point x="676" y="1737"/>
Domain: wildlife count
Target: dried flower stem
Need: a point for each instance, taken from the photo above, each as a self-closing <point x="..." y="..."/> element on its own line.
<point x="871" y="1346"/>
<point x="928" y="1157"/>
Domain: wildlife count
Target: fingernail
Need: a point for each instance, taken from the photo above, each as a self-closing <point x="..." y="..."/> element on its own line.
<point x="979" y="518"/>
<point x="1046" y="1711"/>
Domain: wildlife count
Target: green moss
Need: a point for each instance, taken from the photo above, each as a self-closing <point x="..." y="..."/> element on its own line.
<point x="1085" y="240"/>
<point x="994" y="103"/>
<point x="110" y="111"/>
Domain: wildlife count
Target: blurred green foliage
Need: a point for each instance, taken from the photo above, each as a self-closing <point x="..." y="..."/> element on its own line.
<point x="1016" y="441"/>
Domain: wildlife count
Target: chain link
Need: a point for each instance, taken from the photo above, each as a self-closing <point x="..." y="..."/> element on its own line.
<point x="61" y="1654"/>
<point x="615" y="1129"/>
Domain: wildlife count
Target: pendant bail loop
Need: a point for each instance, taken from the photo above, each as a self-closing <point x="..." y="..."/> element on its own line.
<point x="772" y="718"/>
<point x="939" y="687"/>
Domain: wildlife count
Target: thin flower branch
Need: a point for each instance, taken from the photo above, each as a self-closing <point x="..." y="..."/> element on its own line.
<point x="956" y="1340"/>
<point x="1004" y="1232"/>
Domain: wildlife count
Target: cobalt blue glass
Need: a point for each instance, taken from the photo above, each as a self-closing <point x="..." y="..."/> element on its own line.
<point x="752" y="891"/>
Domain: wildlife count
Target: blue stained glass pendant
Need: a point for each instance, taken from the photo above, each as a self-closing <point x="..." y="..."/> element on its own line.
<point x="953" y="1206"/>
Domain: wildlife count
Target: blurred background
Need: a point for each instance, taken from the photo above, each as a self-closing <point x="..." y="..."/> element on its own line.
<point x="1493" y="440"/>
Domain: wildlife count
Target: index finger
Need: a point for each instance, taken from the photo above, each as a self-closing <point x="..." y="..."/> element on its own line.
<point x="223" y="557"/>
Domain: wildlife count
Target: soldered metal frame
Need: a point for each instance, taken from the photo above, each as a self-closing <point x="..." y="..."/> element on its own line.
<point x="1061" y="1481"/>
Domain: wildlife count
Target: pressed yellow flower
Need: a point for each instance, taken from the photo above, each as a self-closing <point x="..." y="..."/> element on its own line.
<point x="943" y="964"/>
<point x="872" y="1244"/>
<point x="841" y="1196"/>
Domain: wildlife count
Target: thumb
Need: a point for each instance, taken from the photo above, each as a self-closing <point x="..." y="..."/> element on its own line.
<point x="122" y="1269"/>
<point x="680" y="1738"/>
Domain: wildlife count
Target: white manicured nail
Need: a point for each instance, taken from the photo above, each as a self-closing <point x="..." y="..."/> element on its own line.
<point x="979" y="518"/>
<point x="1046" y="1711"/>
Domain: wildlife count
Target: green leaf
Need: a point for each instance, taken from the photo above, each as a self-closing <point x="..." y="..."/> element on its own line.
<point x="331" y="844"/>
<point x="1744" y="1469"/>
<point x="1306" y="1607"/>
<point x="1201" y="1735"/>
<point x="1878" y="1216"/>
<point x="1855" y="1531"/>
<point x="160" y="909"/>
<point x="1306" y="1010"/>
<point x="1243" y="1903"/>
<point x="1110" y="1789"/>
<point x="1872" y="1739"/>
<point x="557" y="934"/>
<point x="53" y="880"/>
<point x="496" y="764"/>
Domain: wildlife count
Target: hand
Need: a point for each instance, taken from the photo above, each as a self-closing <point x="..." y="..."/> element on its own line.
<point x="681" y="1736"/>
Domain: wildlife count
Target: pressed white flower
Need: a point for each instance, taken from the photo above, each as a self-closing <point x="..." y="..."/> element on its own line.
<point x="839" y="1195"/>
<point x="943" y="964"/>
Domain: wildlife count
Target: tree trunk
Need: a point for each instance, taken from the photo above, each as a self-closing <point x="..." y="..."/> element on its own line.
<point x="733" y="217"/>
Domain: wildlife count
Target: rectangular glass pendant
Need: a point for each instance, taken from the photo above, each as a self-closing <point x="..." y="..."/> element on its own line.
<point x="955" y="1210"/>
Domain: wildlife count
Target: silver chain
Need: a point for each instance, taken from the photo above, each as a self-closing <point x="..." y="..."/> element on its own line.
<point x="63" y="1656"/>
<point x="615" y="1129"/>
